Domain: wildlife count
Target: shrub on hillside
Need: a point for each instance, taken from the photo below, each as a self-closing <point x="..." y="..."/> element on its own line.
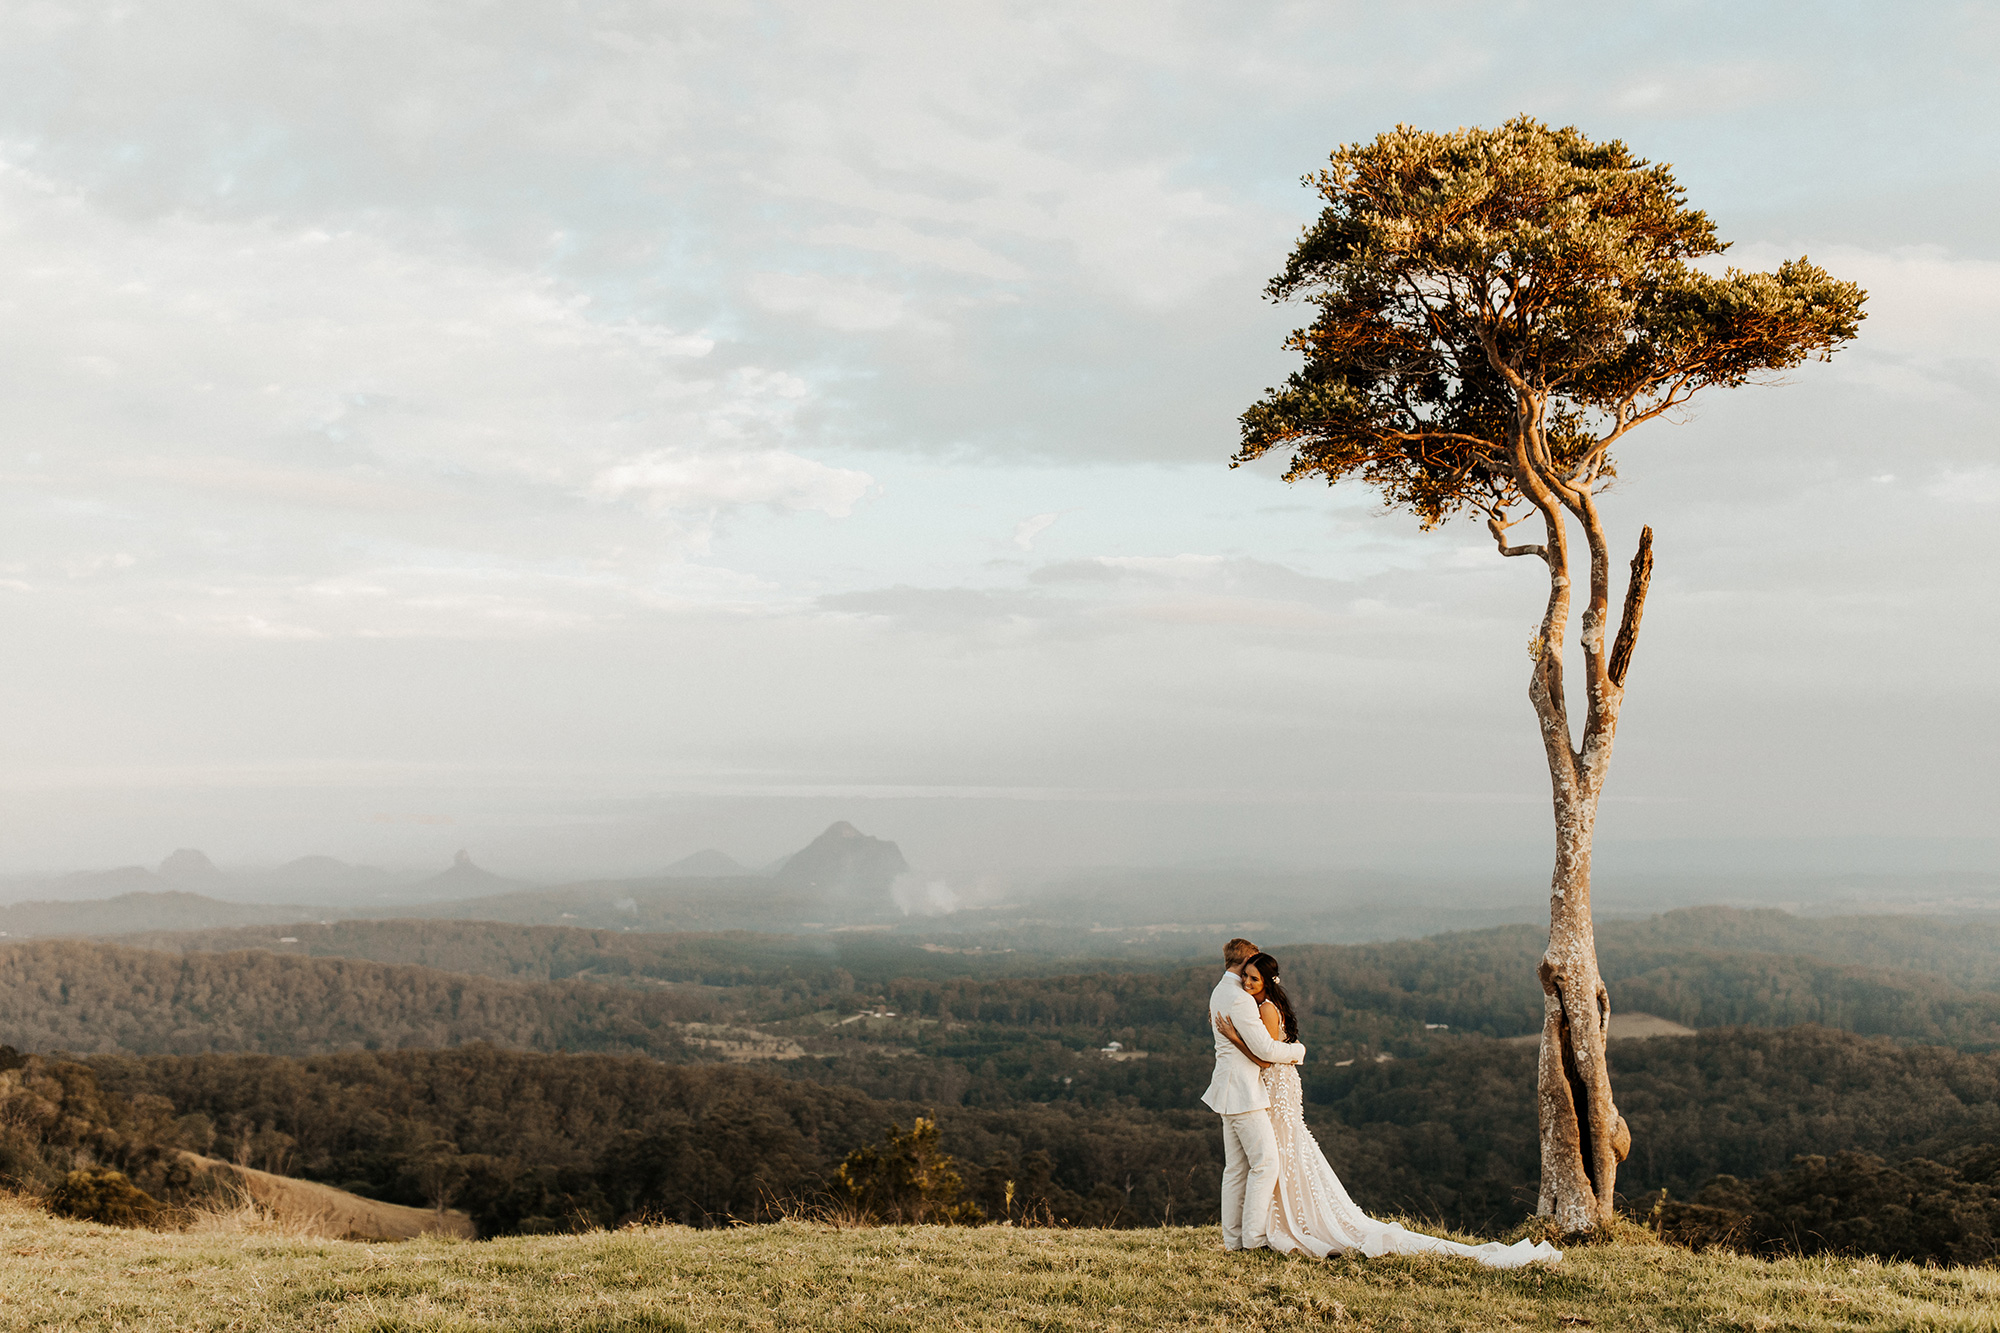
<point x="99" y="1194"/>
<point x="905" y="1179"/>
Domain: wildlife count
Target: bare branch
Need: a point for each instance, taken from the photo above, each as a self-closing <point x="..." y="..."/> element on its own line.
<point x="1635" y="606"/>
<point x="1499" y="531"/>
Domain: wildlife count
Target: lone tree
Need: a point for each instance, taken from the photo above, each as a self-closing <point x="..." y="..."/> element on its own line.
<point x="1495" y="310"/>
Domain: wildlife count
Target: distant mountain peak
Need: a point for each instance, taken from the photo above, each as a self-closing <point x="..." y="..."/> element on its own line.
<point x="706" y="864"/>
<point x="463" y="876"/>
<point x="187" y="864"/>
<point x="846" y="866"/>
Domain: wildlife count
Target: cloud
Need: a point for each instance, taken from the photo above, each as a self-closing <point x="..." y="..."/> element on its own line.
<point x="957" y="254"/>
<point x="1028" y="529"/>
<point x="252" y="414"/>
<point x="1710" y="89"/>
<point x="691" y="481"/>
<point x="917" y="896"/>
<point x="949" y="610"/>
<point x="490" y="394"/>
<point x="1973" y="485"/>
<point x="850" y="307"/>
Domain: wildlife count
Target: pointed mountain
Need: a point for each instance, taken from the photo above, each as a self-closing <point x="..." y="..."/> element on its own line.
<point x="188" y="866"/>
<point x="465" y="880"/>
<point x="706" y="864"/>
<point x="847" y="867"/>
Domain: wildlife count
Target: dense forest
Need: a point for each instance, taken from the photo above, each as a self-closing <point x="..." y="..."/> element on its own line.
<point x="905" y="1023"/>
<point x="527" y="1141"/>
<point x="1963" y="952"/>
<point x="1921" y="979"/>
<point x="546" y="1076"/>
<point x="425" y="983"/>
<point x="791" y="966"/>
<point x="85" y="997"/>
<point x="1919" y="1211"/>
<point x="541" y="1142"/>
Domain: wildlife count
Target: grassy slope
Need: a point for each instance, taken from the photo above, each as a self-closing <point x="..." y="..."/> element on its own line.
<point x="309" y="1208"/>
<point x="68" y="1275"/>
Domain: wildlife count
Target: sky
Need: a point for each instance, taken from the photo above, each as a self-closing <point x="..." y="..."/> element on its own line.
<point x="589" y="433"/>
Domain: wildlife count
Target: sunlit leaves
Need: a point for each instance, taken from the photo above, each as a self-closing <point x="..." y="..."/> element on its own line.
<point x="1482" y="288"/>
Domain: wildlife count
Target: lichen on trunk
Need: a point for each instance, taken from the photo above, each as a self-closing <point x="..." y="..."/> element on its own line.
<point x="1583" y="1138"/>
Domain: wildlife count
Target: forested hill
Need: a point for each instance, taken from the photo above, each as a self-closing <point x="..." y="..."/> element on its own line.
<point x="1964" y="953"/>
<point x="535" y="1138"/>
<point x="88" y="997"/>
<point x="1672" y="965"/>
<point x="1704" y="967"/>
<point x="1354" y="1001"/>
<point x="788" y="964"/>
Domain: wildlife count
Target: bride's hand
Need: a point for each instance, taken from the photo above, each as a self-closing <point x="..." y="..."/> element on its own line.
<point x="1227" y="1027"/>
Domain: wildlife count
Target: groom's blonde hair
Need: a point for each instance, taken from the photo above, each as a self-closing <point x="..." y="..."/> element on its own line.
<point x="1238" y="951"/>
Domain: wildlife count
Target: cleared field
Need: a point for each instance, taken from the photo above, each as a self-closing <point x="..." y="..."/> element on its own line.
<point x="68" y="1275"/>
<point x="304" y="1207"/>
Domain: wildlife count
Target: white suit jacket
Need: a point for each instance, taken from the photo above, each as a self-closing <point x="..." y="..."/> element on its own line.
<point x="1236" y="1088"/>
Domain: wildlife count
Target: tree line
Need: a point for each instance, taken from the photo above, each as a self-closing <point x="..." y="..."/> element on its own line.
<point x="980" y="1040"/>
<point x="529" y="1141"/>
<point x="536" y="1142"/>
<point x="89" y="997"/>
<point x="1918" y="1211"/>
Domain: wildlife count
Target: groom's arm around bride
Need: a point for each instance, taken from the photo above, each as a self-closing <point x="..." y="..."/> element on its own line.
<point x="1238" y="1095"/>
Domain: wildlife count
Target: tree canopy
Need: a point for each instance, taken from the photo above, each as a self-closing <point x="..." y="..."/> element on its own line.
<point x="1481" y="283"/>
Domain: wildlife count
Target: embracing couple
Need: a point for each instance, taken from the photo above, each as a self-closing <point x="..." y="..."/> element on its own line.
<point x="1277" y="1189"/>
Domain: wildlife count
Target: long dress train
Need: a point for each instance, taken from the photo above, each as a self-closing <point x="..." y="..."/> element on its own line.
<point x="1313" y="1212"/>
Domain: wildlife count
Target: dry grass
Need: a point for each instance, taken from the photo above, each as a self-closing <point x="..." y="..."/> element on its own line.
<point x="70" y="1275"/>
<point x="248" y="1199"/>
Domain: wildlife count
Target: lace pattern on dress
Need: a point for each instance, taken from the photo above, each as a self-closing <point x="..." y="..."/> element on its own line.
<point x="1313" y="1212"/>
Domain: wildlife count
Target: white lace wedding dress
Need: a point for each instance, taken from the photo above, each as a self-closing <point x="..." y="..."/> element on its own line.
<point x="1313" y="1213"/>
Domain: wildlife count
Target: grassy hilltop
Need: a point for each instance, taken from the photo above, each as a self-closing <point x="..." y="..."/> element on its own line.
<point x="72" y="1275"/>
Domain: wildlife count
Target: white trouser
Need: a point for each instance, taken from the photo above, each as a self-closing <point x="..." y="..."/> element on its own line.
<point x="1249" y="1179"/>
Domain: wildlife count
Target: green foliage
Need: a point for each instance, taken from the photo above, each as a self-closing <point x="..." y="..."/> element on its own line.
<point x="548" y="1142"/>
<point x="1043" y="1125"/>
<point x="905" y="1178"/>
<point x="99" y="1194"/>
<point x="1472" y="284"/>
<point x="87" y="997"/>
<point x="56" y="1120"/>
<point x="1920" y="1211"/>
<point x="771" y="975"/>
<point x="1454" y="1136"/>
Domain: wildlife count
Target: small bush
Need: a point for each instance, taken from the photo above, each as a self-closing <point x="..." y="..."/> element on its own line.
<point x="907" y="1179"/>
<point x="95" y="1194"/>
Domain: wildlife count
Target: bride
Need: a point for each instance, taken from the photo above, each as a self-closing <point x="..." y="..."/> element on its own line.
<point x="1312" y="1211"/>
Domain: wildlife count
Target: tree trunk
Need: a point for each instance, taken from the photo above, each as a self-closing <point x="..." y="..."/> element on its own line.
<point x="1583" y="1136"/>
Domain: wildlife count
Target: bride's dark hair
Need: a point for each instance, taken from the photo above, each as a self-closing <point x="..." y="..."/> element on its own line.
<point x="1267" y="968"/>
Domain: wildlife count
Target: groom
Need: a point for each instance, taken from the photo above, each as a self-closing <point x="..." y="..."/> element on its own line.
<point x="1236" y="1093"/>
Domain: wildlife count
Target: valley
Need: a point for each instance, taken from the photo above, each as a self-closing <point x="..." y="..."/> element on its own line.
<point x="536" y="1076"/>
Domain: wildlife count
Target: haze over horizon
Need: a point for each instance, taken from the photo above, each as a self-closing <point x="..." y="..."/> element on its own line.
<point x="592" y="439"/>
